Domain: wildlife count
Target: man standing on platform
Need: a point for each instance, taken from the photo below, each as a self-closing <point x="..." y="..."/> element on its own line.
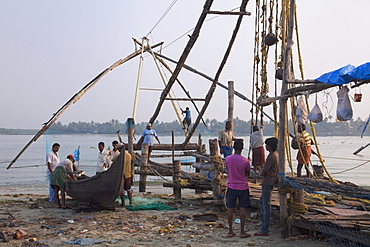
<point x="52" y="160"/>
<point x="148" y="137"/>
<point x="225" y="140"/>
<point x="238" y="168"/>
<point x="304" y="152"/>
<point x="269" y="173"/>
<point x="258" y="152"/>
<point x="186" y="122"/>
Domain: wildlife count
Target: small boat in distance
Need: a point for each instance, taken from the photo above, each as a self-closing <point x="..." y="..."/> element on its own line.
<point x="102" y="189"/>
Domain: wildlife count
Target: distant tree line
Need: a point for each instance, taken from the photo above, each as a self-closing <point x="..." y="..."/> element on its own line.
<point x="241" y="128"/>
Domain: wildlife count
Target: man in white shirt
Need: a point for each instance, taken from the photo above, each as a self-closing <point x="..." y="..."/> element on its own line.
<point x="103" y="158"/>
<point x="52" y="160"/>
<point x="258" y="152"/>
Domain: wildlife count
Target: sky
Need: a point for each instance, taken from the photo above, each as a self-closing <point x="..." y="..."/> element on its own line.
<point x="49" y="50"/>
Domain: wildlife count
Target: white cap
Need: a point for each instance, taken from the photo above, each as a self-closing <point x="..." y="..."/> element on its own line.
<point x="149" y="124"/>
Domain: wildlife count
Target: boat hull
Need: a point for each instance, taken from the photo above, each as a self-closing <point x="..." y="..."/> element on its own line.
<point x="102" y="189"/>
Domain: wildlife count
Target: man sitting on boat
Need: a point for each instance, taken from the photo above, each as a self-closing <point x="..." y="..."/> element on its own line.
<point x="62" y="173"/>
<point x="103" y="158"/>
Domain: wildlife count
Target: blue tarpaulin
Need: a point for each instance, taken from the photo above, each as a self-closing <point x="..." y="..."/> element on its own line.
<point x="346" y="74"/>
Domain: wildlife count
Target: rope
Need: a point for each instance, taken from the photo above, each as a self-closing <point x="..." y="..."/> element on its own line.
<point x="164" y="14"/>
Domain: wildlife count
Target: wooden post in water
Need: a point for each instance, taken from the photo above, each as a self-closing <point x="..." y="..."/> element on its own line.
<point x="230" y="112"/>
<point x="214" y="173"/>
<point x="176" y="177"/>
<point x="143" y="167"/>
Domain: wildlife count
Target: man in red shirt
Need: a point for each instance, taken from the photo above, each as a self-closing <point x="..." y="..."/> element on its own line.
<point x="238" y="168"/>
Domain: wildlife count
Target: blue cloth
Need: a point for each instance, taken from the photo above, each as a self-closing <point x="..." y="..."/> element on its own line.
<point x="76" y="155"/>
<point x="338" y="77"/>
<point x="242" y="195"/>
<point x="227" y="150"/>
<point x="265" y="207"/>
<point x="346" y="74"/>
<point x="361" y="72"/>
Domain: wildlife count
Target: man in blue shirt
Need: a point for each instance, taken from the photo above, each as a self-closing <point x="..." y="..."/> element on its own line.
<point x="186" y="122"/>
<point x="148" y="137"/>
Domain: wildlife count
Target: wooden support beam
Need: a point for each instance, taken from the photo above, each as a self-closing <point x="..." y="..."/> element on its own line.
<point x="212" y="89"/>
<point x="176" y="179"/>
<point x="191" y="69"/>
<point x="230" y="109"/>
<point x="229" y="12"/>
<point x="296" y="81"/>
<point x="283" y="123"/>
<point x="185" y="99"/>
<point x="359" y="83"/>
<point x="185" y="54"/>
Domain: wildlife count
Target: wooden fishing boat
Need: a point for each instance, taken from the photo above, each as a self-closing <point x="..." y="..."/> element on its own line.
<point x="102" y="189"/>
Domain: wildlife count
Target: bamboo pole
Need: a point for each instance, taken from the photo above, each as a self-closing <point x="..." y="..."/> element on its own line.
<point x="283" y="122"/>
<point x="182" y="59"/>
<point x="130" y="146"/>
<point x="74" y="99"/>
<point x="178" y="81"/>
<point x="214" y="83"/>
<point x="199" y="160"/>
<point x="138" y="81"/>
<point x="230" y="112"/>
<point x="191" y="69"/>
<point x="144" y="167"/>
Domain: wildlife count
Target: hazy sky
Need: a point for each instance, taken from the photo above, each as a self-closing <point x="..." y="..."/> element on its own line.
<point x="50" y="49"/>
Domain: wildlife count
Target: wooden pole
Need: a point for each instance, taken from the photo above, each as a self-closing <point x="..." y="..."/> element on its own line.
<point x="218" y="73"/>
<point x="173" y="147"/>
<point x="283" y="122"/>
<point x="185" y="53"/>
<point x="144" y="167"/>
<point x="216" y="188"/>
<point x="138" y="82"/>
<point x="230" y="112"/>
<point x="199" y="160"/>
<point x="130" y="146"/>
<point x="176" y="179"/>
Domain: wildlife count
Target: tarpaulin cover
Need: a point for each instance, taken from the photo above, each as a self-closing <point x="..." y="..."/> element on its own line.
<point x="346" y="74"/>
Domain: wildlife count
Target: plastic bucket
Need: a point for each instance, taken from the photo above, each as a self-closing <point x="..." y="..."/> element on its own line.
<point x="358" y="97"/>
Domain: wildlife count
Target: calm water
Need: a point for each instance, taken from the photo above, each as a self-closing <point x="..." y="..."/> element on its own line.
<point x="337" y="152"/>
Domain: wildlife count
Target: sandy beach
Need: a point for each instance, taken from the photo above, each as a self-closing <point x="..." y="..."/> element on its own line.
<point x="43" y="224"/>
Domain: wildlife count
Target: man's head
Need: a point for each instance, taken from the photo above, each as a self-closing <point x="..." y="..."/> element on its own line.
<point x="101" y="146"/>
<point x="238" y="145"/>
<point x="149" y="126"/>
<point x="301" y="127"/>
<point x="55" y="147"/>
<point x="255" y="128"/>
<point x="187" y="108"/>
<point x="228" y="125"/>
<point x="271" y="144"/>
<point x="115" y="144"/>
<point x="71" y="158"/>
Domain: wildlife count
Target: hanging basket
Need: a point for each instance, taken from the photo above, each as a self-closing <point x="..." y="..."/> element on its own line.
<point x="357" y="97"/>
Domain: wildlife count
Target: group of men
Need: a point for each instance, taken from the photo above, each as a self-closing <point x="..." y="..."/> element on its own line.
<point x="239" y="169"/>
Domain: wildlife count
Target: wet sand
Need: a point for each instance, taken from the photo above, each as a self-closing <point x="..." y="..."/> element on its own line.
<point x="51" y="226"/>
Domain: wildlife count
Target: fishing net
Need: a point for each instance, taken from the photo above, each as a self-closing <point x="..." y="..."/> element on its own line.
<point x="145" y="203"/>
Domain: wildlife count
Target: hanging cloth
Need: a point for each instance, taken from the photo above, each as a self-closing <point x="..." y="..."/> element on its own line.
<point x="344" y="108"/>
<point x="315" y="115"/>
<point x="301" y="112"/>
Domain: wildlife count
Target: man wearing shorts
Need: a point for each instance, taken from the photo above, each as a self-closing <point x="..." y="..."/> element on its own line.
<point x="238" y="170"/>
<point x="128" y="179"/>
